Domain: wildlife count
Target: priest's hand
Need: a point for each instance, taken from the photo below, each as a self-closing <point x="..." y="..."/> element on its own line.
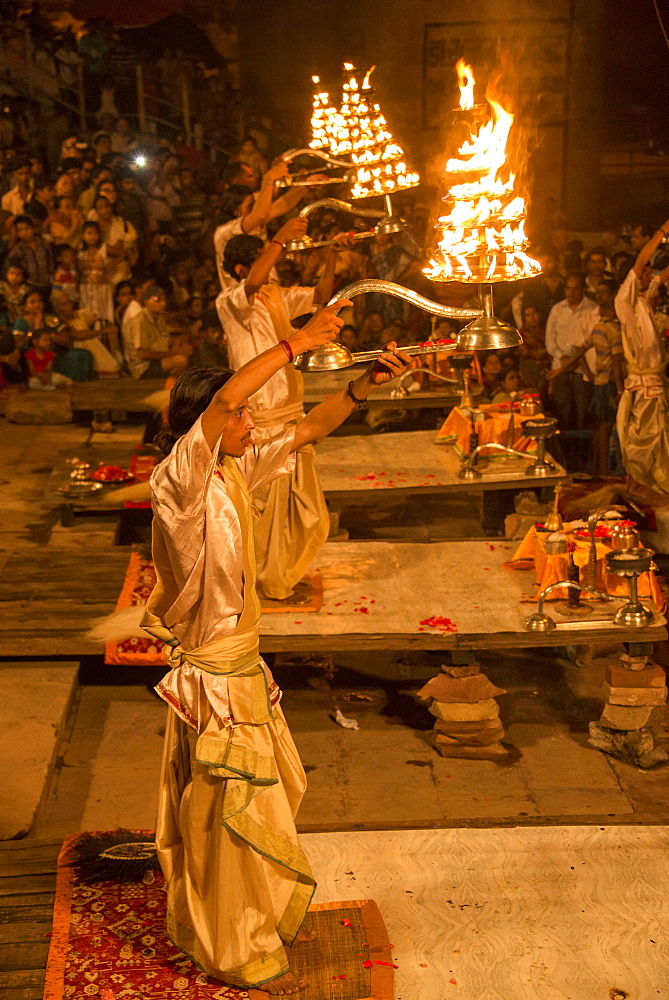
<point x="321" y="328"/>
<point x="390" y="365"/>
<point x="291" y="230"/>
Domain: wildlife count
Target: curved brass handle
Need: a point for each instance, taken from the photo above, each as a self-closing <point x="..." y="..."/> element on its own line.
<point x="292" y="154"/>
<point x="399" y="292"/>
<point x="341" y="206"/>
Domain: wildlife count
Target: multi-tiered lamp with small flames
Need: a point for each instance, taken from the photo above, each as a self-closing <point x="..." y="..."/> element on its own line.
<point x="356" y="134"/>
<point x="481" y="238"/>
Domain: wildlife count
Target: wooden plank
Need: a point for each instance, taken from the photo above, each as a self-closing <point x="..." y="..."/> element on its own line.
<point x="24" y="992"/>
<point x="25" y="931"/>
<point x="98" y="576"/>
<point x="19" y="956"/>
<point x="22" y="979"/>
<point x="15" y="911"/>
<point x="27" y="885"/>
<point x="29" y="861"/>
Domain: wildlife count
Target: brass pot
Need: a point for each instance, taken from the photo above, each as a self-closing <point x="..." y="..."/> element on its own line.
<point x="624" y="537"/>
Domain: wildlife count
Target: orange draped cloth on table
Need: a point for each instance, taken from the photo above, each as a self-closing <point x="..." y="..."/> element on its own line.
<point x="552" y="568"/>
<point x="494" y="427"/>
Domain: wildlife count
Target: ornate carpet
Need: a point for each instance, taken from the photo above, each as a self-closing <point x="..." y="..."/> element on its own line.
<point x="109" y="942"/>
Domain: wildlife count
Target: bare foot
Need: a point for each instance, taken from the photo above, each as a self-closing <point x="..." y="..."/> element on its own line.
<point x="304" y="936"/>
<point x="281" y="986"/>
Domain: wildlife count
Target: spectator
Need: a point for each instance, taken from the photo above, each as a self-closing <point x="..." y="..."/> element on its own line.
<point x="604" y="344"/>
<point x="595" y="270"/>
<point x="116" y="236"/>
<point x="491" y="370"/>
<point x="64" y="224"/>
<point x="535" y="361"/>
<point x="13" y="365"/>
<point x="16" y="198"/>
<point x="569" y="323"/>
<point x="210" y="352"/>
<point x="508" y="387"/>
<point x="40" y="204"/>
<point x="40" y="360"/>
<point x="34" y="316"/>
<point x="64" y="186"/>
<point x="102" y="145"/>
<point x="180" y="286"/>
<point x="13" y="290"/>
<point x="189" y="213"/>
<point x="95" y="268"/>
<point x="87" y="330"/>
<point x="130" y="204"/>
<point x="33" y="253"/>
<point x="249" y="154"/>
<point x="147" y="340"/>
<point x="124" y="294"/>
<point x="66" y="276"/>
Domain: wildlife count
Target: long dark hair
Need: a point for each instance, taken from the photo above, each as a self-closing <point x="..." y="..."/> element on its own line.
<point x="192" y="393"/>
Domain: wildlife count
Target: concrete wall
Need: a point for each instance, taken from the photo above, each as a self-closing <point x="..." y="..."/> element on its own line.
<point x="551" y="59"/>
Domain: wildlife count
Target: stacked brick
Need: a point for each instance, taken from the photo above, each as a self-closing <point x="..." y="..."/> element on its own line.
<point x="636" y="692"/>
<point x="468" y="725"/>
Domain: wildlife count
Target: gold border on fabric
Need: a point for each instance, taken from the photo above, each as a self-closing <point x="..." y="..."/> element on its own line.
<point x="241" y="762"/>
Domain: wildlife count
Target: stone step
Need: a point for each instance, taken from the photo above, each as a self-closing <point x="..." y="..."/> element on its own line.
<point x="35" y="703"/>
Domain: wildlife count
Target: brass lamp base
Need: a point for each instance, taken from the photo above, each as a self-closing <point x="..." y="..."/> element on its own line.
<point x="539" y="622"/>
<point x="540" y="468"/>
<point x="633" y="616"/>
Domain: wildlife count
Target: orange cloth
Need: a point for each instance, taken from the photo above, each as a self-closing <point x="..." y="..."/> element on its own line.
<point x="551" y="568"/>
<point x="494" y="427"/>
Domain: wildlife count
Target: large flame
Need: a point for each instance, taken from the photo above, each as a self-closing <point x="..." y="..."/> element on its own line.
<point x="466" y="83"/>
<point x="482" y="236"/>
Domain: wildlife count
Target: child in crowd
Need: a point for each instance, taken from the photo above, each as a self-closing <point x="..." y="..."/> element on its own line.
<point x="13" y="290"/>
<point x="210" y="352"/>
<point x="13" y="365"/>
<point x="40" y="360"/>
<point x="95" y="290"/>
<point x="65" y="275"/>
<point x="64" y="223"/>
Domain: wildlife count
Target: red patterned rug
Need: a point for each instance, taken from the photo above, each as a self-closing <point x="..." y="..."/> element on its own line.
<point x="109" y="942"/>
<point x="140" y="579"/>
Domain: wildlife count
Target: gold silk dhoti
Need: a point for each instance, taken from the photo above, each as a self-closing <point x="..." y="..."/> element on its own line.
<point x="238" y="882"/>
<point x="293" y="521"/>
<point x="643" y="426"/>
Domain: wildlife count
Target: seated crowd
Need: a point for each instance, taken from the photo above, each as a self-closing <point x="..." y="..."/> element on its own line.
<point x="112" y="264"/>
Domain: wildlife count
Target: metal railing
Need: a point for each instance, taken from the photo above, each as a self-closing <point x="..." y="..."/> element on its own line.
<point x="18" y="67"/>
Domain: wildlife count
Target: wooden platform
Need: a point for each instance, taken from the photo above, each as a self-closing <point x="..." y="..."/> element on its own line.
<point x="319" y="385"/>
<point x="129" y="394"/>
<point x="356" y="469"/>
<point x="27" y="892"/>
<point x="375" y="596"/>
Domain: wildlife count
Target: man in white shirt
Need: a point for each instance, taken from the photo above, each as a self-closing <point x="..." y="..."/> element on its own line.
<point x="256" y="315"/>
<point x="251" y="212"/>
<point x="569" y="323"/>
<point x="16" y="198"/>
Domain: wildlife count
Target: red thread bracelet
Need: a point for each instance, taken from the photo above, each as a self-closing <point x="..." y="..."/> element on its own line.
<point x="278" y="243"/>
<point x="288" y="349"/>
